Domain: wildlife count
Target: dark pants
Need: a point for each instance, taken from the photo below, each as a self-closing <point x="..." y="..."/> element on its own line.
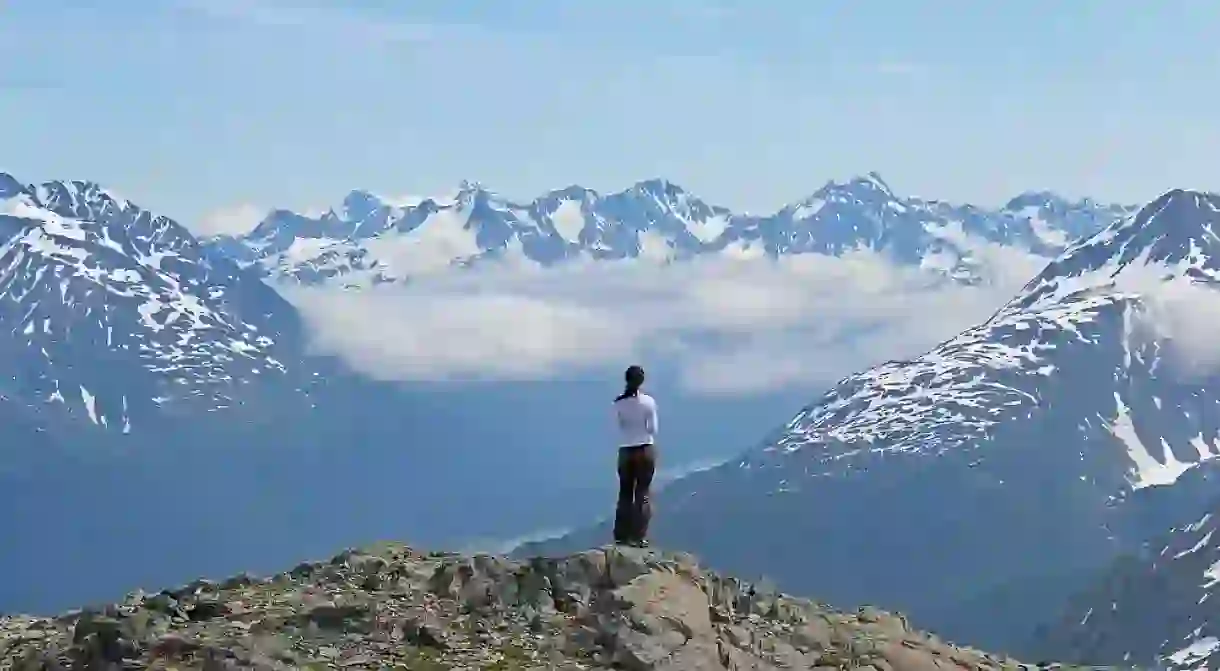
<point x="636" y="466"/>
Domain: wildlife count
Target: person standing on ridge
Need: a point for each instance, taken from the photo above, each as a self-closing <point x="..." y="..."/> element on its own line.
<point x="637" y="460"/>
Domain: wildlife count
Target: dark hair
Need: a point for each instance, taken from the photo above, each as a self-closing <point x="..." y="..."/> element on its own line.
<point x="634" y="378"/>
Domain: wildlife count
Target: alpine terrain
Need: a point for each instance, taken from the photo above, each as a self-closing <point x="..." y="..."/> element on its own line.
<point x="130" y="358"/>
<point x="121" y="330"/>
<point x="370" y="239"/>
<point x="979" y="485"/>
<point x="391" y="607"/>
<point x="157" y="386"/>
<point x="152" y="393"/>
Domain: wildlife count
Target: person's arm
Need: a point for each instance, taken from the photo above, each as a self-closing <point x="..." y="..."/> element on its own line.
<point x="650" y="420"/>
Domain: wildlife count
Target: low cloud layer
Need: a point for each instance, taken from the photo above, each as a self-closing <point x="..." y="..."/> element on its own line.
<point x="730" y="326"/>
<point x="234" y="220"/>
<point x="1181" y="313"/>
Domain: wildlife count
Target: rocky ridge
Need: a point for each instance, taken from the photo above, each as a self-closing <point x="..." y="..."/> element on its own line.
<point x="391" y="607"/>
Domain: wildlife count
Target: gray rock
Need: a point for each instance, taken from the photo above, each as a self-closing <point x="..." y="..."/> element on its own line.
<point x="392" y="607"/>
<point x="423" y="629"/>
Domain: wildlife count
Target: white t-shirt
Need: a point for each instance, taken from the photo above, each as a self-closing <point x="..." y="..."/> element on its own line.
<point x="637" y="420"/>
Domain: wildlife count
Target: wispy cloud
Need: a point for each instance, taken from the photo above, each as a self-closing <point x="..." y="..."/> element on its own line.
<point x="333" y="21"/>
<point x="233" y="220"/>
<point x="1179" y="312"/>
<point x="503" y="546"/>
<point x="730" y="326"/>
<point x="668" y="475"/>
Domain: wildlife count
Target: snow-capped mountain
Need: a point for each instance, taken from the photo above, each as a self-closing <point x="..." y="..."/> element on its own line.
<point x="371" y="240"/>
<point x="158" y="400"/>
<point x="980" y="484"/>
<point x="113" y="314"/>
<point x="1158" y="607"/>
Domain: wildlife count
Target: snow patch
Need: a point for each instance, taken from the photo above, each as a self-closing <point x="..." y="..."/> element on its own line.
<point x="569" y="220"/>
<point x="709" y="229"/>
<point x="1147" y="471"/>
<point x="90" y="403"/>
<point x="433" y="246"/>
<point x="1194" y="653"/>
<point x="655" y="247"/>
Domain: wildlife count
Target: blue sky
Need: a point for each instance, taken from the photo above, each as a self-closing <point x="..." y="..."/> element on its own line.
<point x="198" y="106"/>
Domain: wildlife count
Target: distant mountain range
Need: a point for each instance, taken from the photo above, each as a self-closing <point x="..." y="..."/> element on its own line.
<point x="370" y="240"/>
<point x="981" y="484"/>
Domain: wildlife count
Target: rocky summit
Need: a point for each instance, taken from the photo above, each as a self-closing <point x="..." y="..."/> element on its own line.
<point x="391" y="607"/>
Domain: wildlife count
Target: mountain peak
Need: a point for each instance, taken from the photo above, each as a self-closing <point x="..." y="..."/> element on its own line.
<point x="9" y="186"/>
<point x="658" y="186"/>
<point x="86" y="267"/>
<point x="869" y="186"/>
<point x="1179" y="224"/>
<point x="1178" y="204"/>
<point x="470" y="189"/>
<point x="359" y="204"/>
<point x="573" y="192"/>
<point x="1038" y="199"/>
<point x="872" y="179"/>
<point x="1173" y="237"/>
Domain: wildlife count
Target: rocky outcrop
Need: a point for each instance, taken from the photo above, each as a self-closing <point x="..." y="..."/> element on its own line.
<point x="391" y="607"/>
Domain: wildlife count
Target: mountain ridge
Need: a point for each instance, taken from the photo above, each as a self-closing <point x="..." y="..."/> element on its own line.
<point x="371" y="239"/>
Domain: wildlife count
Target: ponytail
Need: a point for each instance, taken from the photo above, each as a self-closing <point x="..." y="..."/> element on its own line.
<point x="632" y="389"/>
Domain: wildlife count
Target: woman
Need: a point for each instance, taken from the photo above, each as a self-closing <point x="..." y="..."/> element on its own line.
<point x="637" y="461"/>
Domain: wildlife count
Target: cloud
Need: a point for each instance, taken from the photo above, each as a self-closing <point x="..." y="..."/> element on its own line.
<point x="729" y="326"/>
<point x="325" y="21"/>
<point x="229" y="221"/>
<point x="439" y="331"/>
<point x="1180" y="313"/>
<point x="504" y="546"/>
<point x="668" y="475"/>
